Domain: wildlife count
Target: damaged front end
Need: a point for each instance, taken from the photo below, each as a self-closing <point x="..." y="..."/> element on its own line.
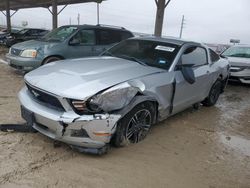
<point x="87" y="125"/>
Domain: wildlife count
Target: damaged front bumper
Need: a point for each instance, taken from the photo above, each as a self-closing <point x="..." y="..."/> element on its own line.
<point x="88" y="131"/>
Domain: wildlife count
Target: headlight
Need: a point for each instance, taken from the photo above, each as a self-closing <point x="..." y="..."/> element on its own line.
<point x="112" y="99"/>
<point x="29" y="53"/>
<point x="84" y="107"/>
<point x="79" y="105"/>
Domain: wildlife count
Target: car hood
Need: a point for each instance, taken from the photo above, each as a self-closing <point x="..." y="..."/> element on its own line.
<point x="237" y="61"/>
<point x="3" y="35"/>
<point x="34" y="44"/>
<point x="82" y="78"/>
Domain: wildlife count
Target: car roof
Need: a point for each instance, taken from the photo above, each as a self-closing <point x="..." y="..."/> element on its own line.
<point x="97" y="26"/>
<point x="33" y="28"/>
<point x="172" y="40"/>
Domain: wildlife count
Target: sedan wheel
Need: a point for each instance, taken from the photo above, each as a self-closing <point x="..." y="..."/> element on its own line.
<point x="51" y="59"/>
<point x="138" y="126"/>
<point x="213" y="94"/>
<point x="135" y="125"/>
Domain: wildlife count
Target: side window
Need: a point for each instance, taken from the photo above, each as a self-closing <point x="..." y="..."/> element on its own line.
<point x="84" y="37"/>
<point x="107" y="37"/>
<point x="214" y="56"/>
<point x="34" y="32"/>
<point x="194" y="55"/>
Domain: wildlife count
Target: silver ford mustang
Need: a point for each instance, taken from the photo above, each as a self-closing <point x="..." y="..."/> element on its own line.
<point x="115" y="98"/>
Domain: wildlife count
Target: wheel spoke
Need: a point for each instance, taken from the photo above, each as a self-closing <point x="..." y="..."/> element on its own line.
<point x="145" y="127"/>
<point x="135" y="119"/>
<point x="130" y="133"/>
<point x="136" y="137"/>
<point x="143" y="116"/>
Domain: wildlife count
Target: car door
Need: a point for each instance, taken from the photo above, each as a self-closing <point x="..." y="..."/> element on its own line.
<point x="81" y="44"/>
<point x="106" y="38"/>
<point x="187" y="94"/>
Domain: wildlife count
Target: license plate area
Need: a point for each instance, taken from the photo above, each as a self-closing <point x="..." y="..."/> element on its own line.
<point x="28" y="116"/>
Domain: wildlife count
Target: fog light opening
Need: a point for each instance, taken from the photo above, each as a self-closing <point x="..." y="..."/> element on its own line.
<point x="79" y="133"/>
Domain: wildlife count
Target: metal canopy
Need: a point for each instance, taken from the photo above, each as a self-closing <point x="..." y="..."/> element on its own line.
<point x="20" y="4"/>
<point x="7" y="5"/>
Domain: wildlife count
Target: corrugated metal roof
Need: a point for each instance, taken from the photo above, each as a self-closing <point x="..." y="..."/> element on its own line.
<point x="20" y="4"/>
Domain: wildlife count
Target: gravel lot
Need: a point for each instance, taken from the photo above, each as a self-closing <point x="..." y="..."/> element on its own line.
<point x="209" y="148"/>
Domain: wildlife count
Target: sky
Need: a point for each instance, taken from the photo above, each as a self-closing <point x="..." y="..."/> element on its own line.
<point x="211" y="21"/>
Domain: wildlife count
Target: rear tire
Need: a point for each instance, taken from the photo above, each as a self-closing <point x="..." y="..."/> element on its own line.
<point x="214" y="94"/>
<point x="135" y="125"/>
<point x="51" y="59"/>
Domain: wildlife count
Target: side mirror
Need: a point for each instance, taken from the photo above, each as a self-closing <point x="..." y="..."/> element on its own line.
<point x="188" y="73"/>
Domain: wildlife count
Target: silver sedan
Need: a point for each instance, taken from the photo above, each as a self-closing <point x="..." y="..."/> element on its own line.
<point x="239" y="59"/>
<point x="117" y="96"/>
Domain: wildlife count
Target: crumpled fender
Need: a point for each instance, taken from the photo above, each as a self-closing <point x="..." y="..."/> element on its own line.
<point x="137" y="100"/>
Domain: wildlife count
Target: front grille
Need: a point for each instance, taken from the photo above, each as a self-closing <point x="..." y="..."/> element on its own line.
<point x="14" y="51"/>
<point x="236" y="69"/>
<point x="45" y="98"/>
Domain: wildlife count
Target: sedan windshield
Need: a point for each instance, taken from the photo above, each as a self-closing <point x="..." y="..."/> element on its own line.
<point x="21" y="32"/>
<point x="237" y="52"/>
<point x="60" y="34"/>
<point x="146" y="52"/>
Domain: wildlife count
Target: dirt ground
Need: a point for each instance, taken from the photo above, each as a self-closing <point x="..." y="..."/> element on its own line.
<point x="209" y="148"/>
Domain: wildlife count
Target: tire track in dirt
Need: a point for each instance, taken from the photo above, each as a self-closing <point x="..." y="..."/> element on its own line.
<point x="34" y="166"/>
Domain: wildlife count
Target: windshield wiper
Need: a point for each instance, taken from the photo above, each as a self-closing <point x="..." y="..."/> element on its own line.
<point x="132" y="59"/>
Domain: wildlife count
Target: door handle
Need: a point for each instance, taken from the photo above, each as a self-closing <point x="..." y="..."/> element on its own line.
<point x="208" y="72"/>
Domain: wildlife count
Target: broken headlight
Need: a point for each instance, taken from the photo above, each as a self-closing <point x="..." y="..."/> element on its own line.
<point x="79" y="105"/>
<point x="112" y="99"/>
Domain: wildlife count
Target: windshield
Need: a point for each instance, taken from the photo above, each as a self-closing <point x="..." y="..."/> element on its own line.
<point x="237" y="52"/>
<point x="22" y="31"/>
<point x="15" y="30"/>
<point x="60" y="34"/>
<point x="150" y="53"/>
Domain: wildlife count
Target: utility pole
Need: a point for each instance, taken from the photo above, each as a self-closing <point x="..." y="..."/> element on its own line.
<point x="98" y="10"/>
<point x="161" y="6"/>
<point x="182" y="25"/>
<point x="78" y="19"/>
<point x="98" y="14"/>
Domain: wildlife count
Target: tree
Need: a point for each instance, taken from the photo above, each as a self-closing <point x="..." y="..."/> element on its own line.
<point x="161" y="6"/>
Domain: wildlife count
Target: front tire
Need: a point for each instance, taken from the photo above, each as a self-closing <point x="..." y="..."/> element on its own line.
<point x="214" y="94"/>
<point x="51" y="59"/>
<point x="135" y="125"/>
